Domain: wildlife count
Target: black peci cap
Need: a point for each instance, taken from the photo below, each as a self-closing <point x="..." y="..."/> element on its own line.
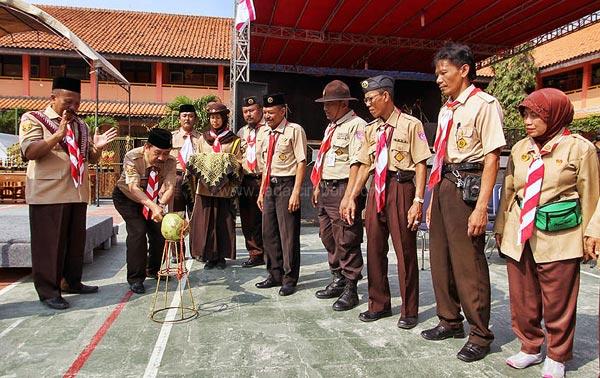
<point x="160" y="138"/>
<point x="66" y="83"/>
<point x="273" y="99"/>
<point x="187" y="108"/>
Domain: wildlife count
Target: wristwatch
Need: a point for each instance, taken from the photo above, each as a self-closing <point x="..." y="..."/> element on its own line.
<point x="419" y="200"/>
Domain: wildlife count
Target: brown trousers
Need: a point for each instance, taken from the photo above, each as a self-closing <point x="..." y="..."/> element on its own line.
<point x="459" y="269"/>
<point x="251" y="216"/>
<point x="212" y="231"/>
<point x="281" y="233"/>
<point x="544" y="291"/>
<point x="342" y="241"/>
<point x="392" y="220"/>
<point x="57" y="246"/>
<point x="142" y="253"/>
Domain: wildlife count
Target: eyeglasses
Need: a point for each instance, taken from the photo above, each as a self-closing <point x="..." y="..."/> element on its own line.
<point x="369" y="100"/>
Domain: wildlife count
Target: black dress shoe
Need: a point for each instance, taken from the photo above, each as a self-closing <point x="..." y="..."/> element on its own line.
<point x="368" y="316"/>
<point x="440" y="332"/>
<point x="221" y="264"/>
<point x="58" y="303"/>
<point x="82" y="289"/>
<point x="269" y="282"/>
<point x="152" y="274"/>
<point x="408" y="322"/>
<point x="334" y="289"/>
<point x="472" y="352"/>
<point x="349" y="298"/>
<point x="210" y="265"/>
<point x="253" y="261"/>
<point x="287" y="290"/>
<point x="138" y="288"/>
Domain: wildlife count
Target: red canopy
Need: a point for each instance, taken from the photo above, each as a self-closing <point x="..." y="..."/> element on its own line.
<point x="395" y="34"/>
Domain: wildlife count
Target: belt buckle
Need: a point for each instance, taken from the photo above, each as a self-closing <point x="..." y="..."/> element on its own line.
<point x="273" y="180"/>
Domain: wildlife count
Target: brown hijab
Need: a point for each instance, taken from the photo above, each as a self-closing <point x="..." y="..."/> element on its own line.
<point x="553" y="107"/>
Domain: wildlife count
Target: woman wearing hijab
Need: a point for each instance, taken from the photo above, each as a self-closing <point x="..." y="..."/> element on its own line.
<point x="212" y="233"/>
<point x="549" y="195"/>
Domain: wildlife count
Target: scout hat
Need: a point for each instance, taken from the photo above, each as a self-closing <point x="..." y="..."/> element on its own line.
<point x="377" y="82"/>
<point x="251" y="100"/>
<point x="273" y="100"/>
<point x="335" y="91"/>
<point x="66" y="83"/>
<point x="187" y="108"/>
<point x="160" y="138"/>
<point x="216" y="108"/>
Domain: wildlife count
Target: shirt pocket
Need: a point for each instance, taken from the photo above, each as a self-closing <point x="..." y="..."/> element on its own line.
<point x="465" y="136"/>
<point x="339" y="147"/>
<point x="284" y="145"/>
<point x="399" y="155"/>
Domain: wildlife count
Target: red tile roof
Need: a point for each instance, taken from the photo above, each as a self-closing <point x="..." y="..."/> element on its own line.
<point x="135" y="33"/>
<point x="105" y="108"/>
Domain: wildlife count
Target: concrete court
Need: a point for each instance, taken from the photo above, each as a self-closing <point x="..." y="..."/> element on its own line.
<point x="244" y="331"/>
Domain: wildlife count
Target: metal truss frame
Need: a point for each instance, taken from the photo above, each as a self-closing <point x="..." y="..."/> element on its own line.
<point x="240" y="63"/>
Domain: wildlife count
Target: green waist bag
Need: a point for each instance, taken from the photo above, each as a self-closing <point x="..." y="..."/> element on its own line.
<point x="557" y="216"/>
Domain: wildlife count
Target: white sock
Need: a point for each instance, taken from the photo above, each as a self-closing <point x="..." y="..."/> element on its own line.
<point x="553" y="369"/>
<point x="522" y="360"/>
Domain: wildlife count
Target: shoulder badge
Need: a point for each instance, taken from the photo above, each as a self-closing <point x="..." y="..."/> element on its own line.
<point x="130" y="170"/>
<point x="26" y="126"/>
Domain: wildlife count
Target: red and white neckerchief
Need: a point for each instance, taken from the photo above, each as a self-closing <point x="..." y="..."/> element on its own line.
<point x="186" y="151"/>
<point x="251" y="147"/>
<point x="216" y="144"/>
<point x="151" y="192"/>
<point x="74" y="156"/>
<point x="381" y="164"/>
<point x="441" y="141"/>
<point x="533" y="188"/>
<point x="315" y="175"/>
<point x="273" y="137"/>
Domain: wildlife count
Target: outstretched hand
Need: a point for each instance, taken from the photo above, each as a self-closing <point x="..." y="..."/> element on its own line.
<point x="101" y="140"/>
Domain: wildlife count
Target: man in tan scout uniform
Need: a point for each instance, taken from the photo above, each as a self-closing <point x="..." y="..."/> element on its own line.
<point x="146" y="185"/>
<point x="185" y="143"/>
<point x="284" y="154"/>
<point x="252" y="136"/>
<point x="58" y="147"/>
<point x="336" y="160"/>
<point x="468" y="143"/>
<point x="396" y="152"/>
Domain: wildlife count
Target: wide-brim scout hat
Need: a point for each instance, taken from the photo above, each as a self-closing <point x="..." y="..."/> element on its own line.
<point x="216" y="108"/>
<point x="336" y="90"/>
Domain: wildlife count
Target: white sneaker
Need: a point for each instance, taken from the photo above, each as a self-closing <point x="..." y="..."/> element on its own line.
<point x="553" y="369"/>
<point x="522" y="360"/>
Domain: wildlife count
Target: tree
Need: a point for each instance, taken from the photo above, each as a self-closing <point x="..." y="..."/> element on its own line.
<point x="171" y="122"/>
<point x="513" y="79"/>
<point x="102" y="120"/>
<point x="8" y="124"/>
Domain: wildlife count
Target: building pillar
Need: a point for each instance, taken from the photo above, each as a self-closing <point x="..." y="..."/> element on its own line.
<point x="93" y="80"/>
<point x="539" y="84"/>
<point x="159" y="82"/>
<point x="26" y="70"/>
<point x="44" y="67"/>
<point x="221" y="82"/>
<point x="587" y="82"/>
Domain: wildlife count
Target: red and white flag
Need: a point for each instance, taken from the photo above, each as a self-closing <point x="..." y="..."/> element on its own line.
<point x="244" y="13"/>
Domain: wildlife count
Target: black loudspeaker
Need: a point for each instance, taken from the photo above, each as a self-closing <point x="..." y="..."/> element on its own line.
<point x="245" y="89"/>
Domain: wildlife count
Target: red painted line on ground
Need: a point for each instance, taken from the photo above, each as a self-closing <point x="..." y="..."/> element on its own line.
<point x="85" y="354"/>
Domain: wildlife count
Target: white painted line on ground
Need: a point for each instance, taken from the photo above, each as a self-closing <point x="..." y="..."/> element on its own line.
<point x="590" y="274"/>
<point x="12" y="285"/>
<point x="10" y="328"/>
<point x="165" y="331"/>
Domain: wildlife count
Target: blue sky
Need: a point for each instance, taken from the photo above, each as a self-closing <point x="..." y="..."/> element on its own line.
<point x="219" y="8"/>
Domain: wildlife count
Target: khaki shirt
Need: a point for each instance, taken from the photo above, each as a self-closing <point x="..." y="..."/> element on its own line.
<point x="260" y="136"/>
<point x="179" y="137"/>
<point x="290" y="149"/>
<point x="348" y="137"/>
<point x="49" y="178"/>
<point x="232" y="147"/>
<point x="136" y="170"/>
<point x="593" y="228"/>
<point x="570" y="171"/>
<point x="476" y="128"/>
<point x="408" y="143"/>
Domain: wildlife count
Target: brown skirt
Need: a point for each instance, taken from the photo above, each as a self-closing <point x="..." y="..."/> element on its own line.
<point x="212" y="232"/>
